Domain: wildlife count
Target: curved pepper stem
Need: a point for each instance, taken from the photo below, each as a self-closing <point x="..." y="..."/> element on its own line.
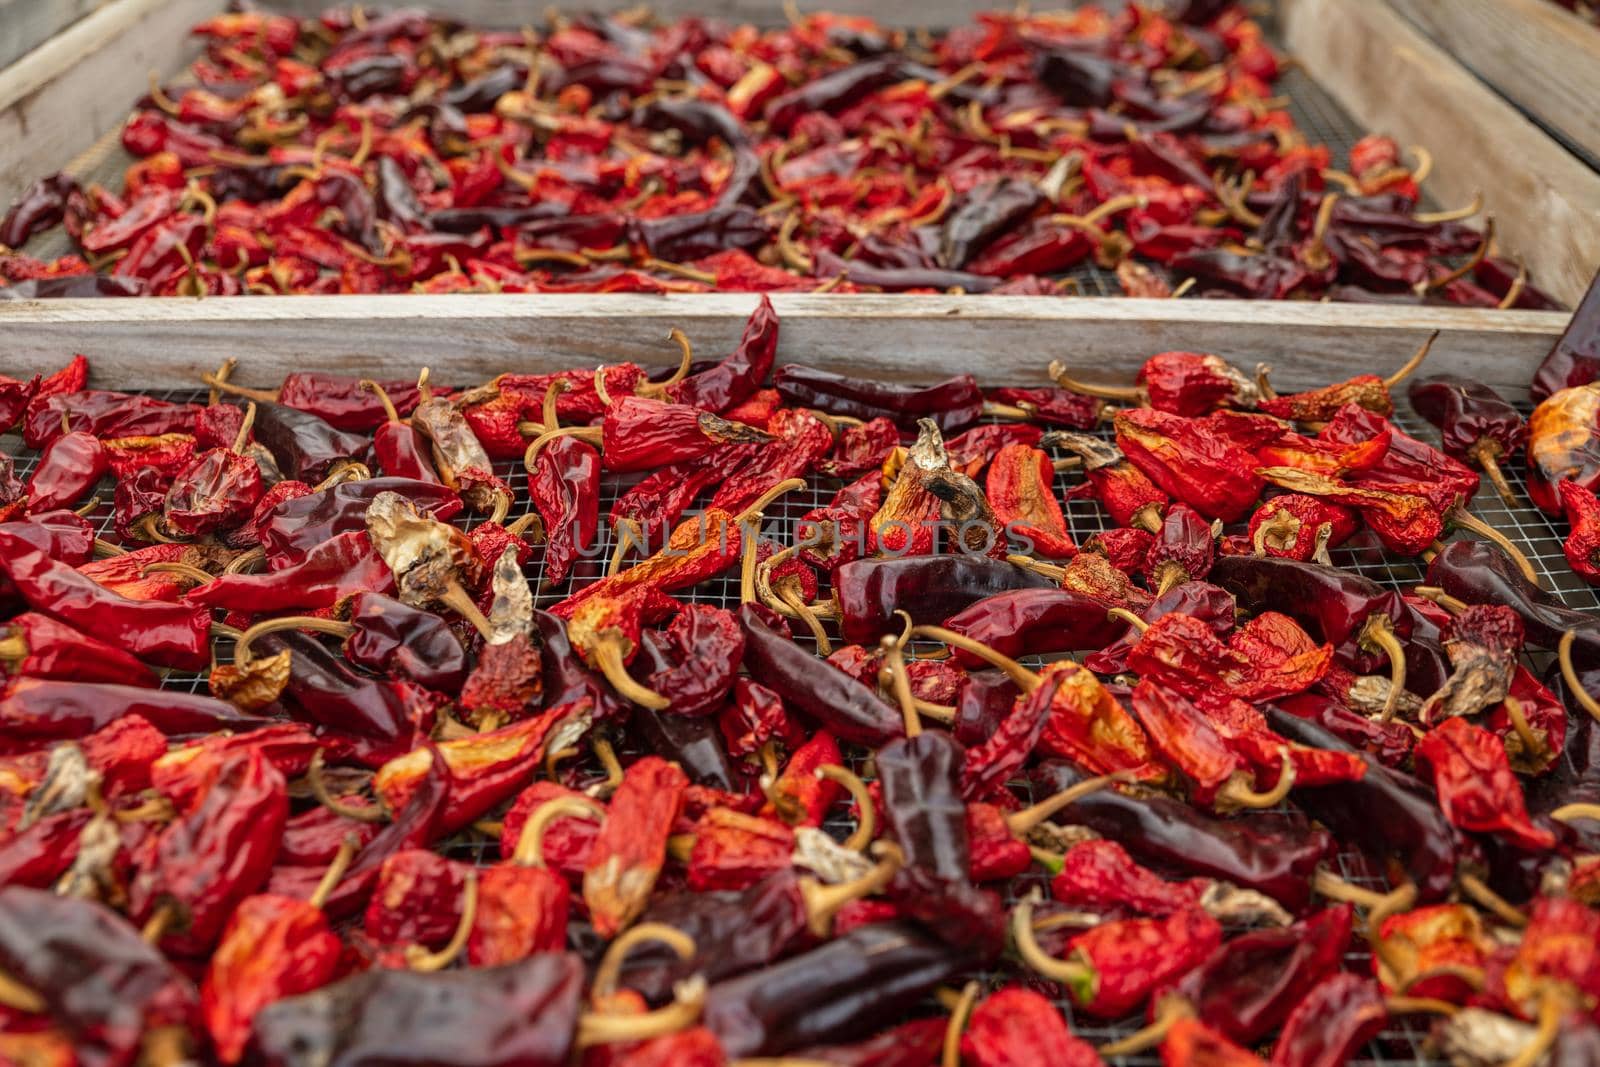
<point x="894" y="660"/>
<point x="1468" y="521"/>
<point x="222" y="385"/>
<point x="18" y="997"/>
<point x="1071" y="974"/>
<point x="1124" y="615"/>
<point x="1379" y="634"/>
<point x="959" y="1014"/>
<point x="245" y="561"/>
<point x="1130" y="394"/>
<point x="1330" y="885"/>
<point x="592" y="435"/>
<point x="383" y="398"/>
<point x="1149" y="1036"/>
<point x="420" y="959"/>
<point x="822" y="902"/>
<point x="1401" y="1005"/>
<point x="242" y="643"/>
<point x="1409" y="366"/>
<point x="867" y="823"/>
<point x="597" y="1028"/>
<point x="1237" y="794"/>
<point x="1487" y="452"/>
<point x="1025" y="679"/>
<point x="1552" y="1006"/>
<point x="348" y="847"/>
<point x="1398" y="900"/>
<point x="606" y="975"/>
<point x="1489" y="900"/>
<point x="1469" y="266"/>
<point x="530" y="842"/>
<point x="552" y="418"/>
<point x="1569" y="674"/>
<point x="1434" y="218"/>
<point x="242" y="438"/>
<point x="1514" y="290"/>
<point x="608" y="656"/>
<point x="319" y="789"/>
<point x="810" y="614"/>
<point x="186" y="570"/>
<point x="607" y="756"/>
<point x="345" y="472"/>
<point x="1020" y="822"/>
<point x="685" y="360"/>
<point x="1533" y="746"/>
<point x="456" y="599"/>
<point x="794" y="256"/>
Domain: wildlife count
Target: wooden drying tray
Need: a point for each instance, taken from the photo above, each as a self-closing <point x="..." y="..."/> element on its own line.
<point x="61" y="99"/>
<point x="160" y="344"/>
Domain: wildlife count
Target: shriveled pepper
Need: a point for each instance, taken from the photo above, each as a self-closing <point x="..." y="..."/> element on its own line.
<point x="1019" y="487"/>
<point x="628" y="853"/>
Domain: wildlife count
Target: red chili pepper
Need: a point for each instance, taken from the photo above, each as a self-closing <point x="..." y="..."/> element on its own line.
<point x="733" y="850"/>
<point x="753" y="716"/>
<point x="1434" y="951"/>
<point x="629" y="851"/>
<point x="1088" y="726"/>
<point x="207" y="861"/>
<point x="1476" y="787"/>
<point x="37" y="646"/>
<point x="400" y="450"/>
<point x="640" y="433"/>
<point x="1367" y="391"/>
<point x="1127" y="494"/>
<point x="1014" y="1027"/>
<point x="1582" y="546"/>
<point x="1405" y="523"/>
<point x="1300" y="527"/>
<point x="1559" y="957"/>
<point x="1101" y="875"/>
<point x="71" y="465"/>
<point x="739" y="375"/>
<point x="1054" y="407"/>
<point x="567" y="840"/>
<point x="1191" y="460"/>
<point x="1191" y="1043"/>
<point x="802" y="440"/>
<point x="340" y="567"/>
<point x="169" y="635"/>
<point x="1183" y="652"/>
<point x="166" y="454"/>
<point x="1019" y="486"/>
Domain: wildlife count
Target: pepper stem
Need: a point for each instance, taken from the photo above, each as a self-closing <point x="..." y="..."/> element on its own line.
<point x="822" y="902"/>
<point x="383" y="398"/>
<point x="1070" y="974"/>
<point x="242" y="643"/>
<point x="1330" y="885"/>
<point x="1419" y="1006"/>
<point x="222" y="385"/>
<point x="592" y="435"/>
<point x="529" y="851"/>
<point x="1148" y="1037"/>
<point x="156" y="927"/>
<point x="676" y="336"/>
<point x="1570" y="812"/>
<point x="1487" y="452"/>
<point x="788" y="591"/>
<point x="867" y="821"/>
<point x="1026" y="680"/>
<point x="1434" y="218"/>
<point x="1237" y="794"/>
<point x="600" y="386"/>
<point x="1413" y="363"/>
<point x="242" y="438"/>
<point x="595" y="1028"/>
<point x="1551" y="1008"/>
<point x="18" y="997"/>
<point x="424" y="390"/>
<point x="1532" y="743"/>
<point x="1131" y="394"/>
<point x="420" y="959"/>
<point x="894" y="659"/>
<point x="105" y="549"/>
<point x="1468" y="521"/>
<point x="1469" y="266"/>
<point x="149" y="527"/>
<point x="1569" y="674"/>
<point x="996" y="410"/>
<point x="1487" y="898"/>
<point x="344" y="472"/>
<point x="336" y="870"/>
<point x="1379" y="634"/>
<point x="951" y="1054"/>
<point x="552" y="418"/>
<point x="319" y="789"/>
<point x="222" y="374"/>
<point x="1021" y="822"/>
<point x="1453" y="605"/>
<point x="607" y="653"/>
<point x="606" y="975"/>
<point x="608" y="761"/>
<point x="186" y="570"/>
<point x="749" y="559"/>
<point x="457" y="600"/>
<point x="760" y="503"/>
<point x="1124" y="615"/>
<point x="1514" y="290"/>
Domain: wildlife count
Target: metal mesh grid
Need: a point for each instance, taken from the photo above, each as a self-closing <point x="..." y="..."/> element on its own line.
<point x="1402" y="1042"/>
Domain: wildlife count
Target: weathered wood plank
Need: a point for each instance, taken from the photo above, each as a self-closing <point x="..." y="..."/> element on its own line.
<point x="164" y="343"/>
<point x="59" y="98"/>
<point x="1538" y="55"/>
<point x="1394" y="80"/>
<point x="26" y="24"/>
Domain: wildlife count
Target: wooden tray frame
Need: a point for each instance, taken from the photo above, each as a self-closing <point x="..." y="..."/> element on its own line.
<point x="60" y="98"/>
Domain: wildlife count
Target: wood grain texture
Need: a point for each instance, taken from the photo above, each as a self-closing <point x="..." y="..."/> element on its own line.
<point x="1538" y="55"/>
<point x="26" y="24"/>
<point x="1394" y="80"/>
<point x="468" y="338"/>
<point x="513" y="13"/>
<point x="62" y="96"/>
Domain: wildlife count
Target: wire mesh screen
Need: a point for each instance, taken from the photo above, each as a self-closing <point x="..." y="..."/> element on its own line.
<point x="1403" y="1042"/>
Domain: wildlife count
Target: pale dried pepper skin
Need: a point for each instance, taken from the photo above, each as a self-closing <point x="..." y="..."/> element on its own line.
<point x="631" y="847"/>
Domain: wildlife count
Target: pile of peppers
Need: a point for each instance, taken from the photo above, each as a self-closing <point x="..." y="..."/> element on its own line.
<point x="368" y="152"/>
<point x="373" y="721"/>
